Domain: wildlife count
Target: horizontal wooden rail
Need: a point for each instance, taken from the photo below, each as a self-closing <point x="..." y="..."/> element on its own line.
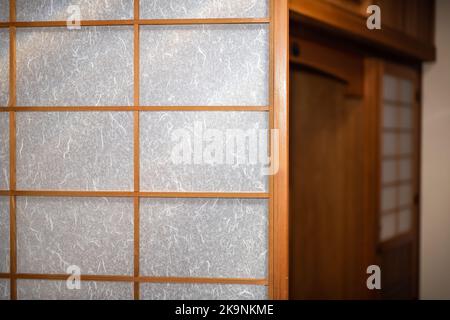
<point x="131" y="108"/>
<point x="129" y="22"/>
<point x="398" y="130"/>
<point x="142" y="194"/>
<point x="396" y="103"/>
<point x="142" y="279"/>
<point x="396" y="183"/>
<point x="397" y="209"/>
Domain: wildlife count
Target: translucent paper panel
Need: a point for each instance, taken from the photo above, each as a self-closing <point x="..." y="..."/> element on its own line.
<point x="75" y="150"/>
<point x="388" y="198"/>
<point x="390" y="116"/>
<point x="203" y="151"/>
<point x="164" y="9"/>
<point x="4" y="289"/>
<point x="57" y="290"/>
<point x="4" y="151"/>
<point x="390" y="88"/>
<point x="405" y="169"/>
<point x="407" y="91"/>
<point x="204" y="238"/>
<point x="389" y="171"/>
<point x="52" y="10"/>
<point x="95" y="234"/>
<point x="389" y="144"/>
<point x="173" y="291"/>
<point x="388" y="225"/>
<point x="405" y="221"/>
<point x="88" y="67"/>
<point x="205" y="65"/>
<point x="406" y="143"/>
<point x="406" y="118"/>
<point x="4" y="234"/>
<point x="4" y="67"/>
<point x="405" y="195"/>
<point x="4" y="11"/>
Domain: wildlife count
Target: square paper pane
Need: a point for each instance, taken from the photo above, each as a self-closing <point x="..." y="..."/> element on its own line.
<point x="4" y="11"/>
<point x="4" y="289"/>
<point x="389" y="171"/>
<point x="388" y="198"/>
<point x="205" y="65"/>
<point x="4" y="151"/>
<point x="406" y="143"/>
<point x="407" y="91"/>
<point x="52" y="10"/>
<point x="75" y="151"/>
<point x="204" y="238"/>
<point x="88" y="67"/>
<point x="405" y="195"/>
<point x="406" y="118"/>
<point x="388" y="223"/>
<point x="405" y="169"/>
<point x="57" y="290"/>
<point x="389" y="144"/>
<point x="95" y="234"/>
<point x="390" y="116"/>
<point x="203" y="151"/>
<point x="188" y="291"/>
<point x="4" y="67"/>
<point x="390" y="88"/>
<point x="405" y="221"/>
<point x="164" y="9"/>
<point x="4" y="234"/>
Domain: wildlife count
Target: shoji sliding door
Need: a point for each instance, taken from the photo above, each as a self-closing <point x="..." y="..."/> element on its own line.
<point x="131" y="148"/>
<point x="398" y="180"/>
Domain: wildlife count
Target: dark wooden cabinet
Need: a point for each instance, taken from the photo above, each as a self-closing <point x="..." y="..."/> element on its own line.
<point x="407" y="25"/>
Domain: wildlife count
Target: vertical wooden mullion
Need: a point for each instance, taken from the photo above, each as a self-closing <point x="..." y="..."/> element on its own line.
<point x="397" y="159"/>
<point x="280" y="259"/>
<point x="12" y="151"/>
<point x="136" y="199"/>
<point x="271" y="126"/>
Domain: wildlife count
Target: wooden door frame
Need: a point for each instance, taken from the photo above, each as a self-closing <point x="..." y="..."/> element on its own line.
<point x="375" y="70"/>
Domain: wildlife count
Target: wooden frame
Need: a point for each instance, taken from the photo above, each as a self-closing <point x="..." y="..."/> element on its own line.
<point x="277" y="280"/>
<point x="375" y="70"/>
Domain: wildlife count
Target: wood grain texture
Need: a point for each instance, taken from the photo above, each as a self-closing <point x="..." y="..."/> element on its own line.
<point x="339" y="19"/>
<point x="329" y="60"/>
<point x="327" y="183"/>
<point x="281" y="122"/>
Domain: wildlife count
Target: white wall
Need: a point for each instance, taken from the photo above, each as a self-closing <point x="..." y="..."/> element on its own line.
<point x="435" y="230"/>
